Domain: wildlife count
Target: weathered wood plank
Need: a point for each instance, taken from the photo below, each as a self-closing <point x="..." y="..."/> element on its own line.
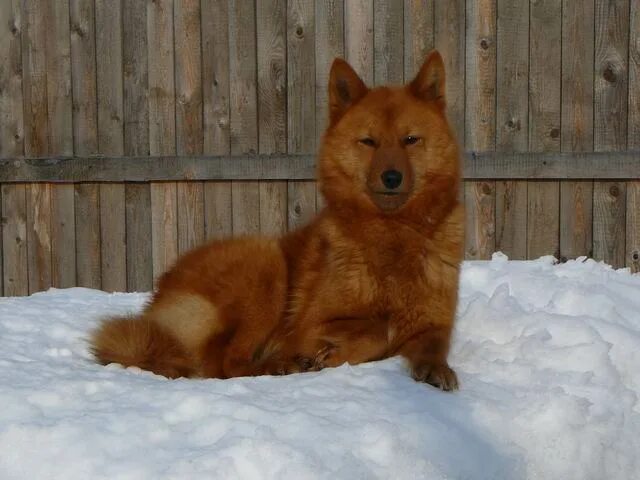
<point x="388" y="36"/>
<point x="245" y="196"/>
<point x="162" y="132"/>
<point x="63" y="236"/>
<point x="576" y="198"/>
<point x="512" y="123"/>
<point x="330" y="44"/>
<point x="189" y="132"/>
<point x="419" y="33"/>
<point x="480" y="197"/>
<point x="13" y="260"/>
<point x="449" y="39"/>
<point x="623" y="165"/>
<point x="272" y="107"/>
<point x="215" y="84"/>
<point x="111" y="142"/>
<point x="136" y="142"/>
<point x="85" y="140"/>
<point x="633" y="138"/>
<point x="59" y="110"/>
<point x="545" y="83"/>
<point x="610" y="129"/>
<point x="358" y="33"/>
<point x="14" y="240"/>
<point x="301" y="102"/>
<point x="34" y="64"/>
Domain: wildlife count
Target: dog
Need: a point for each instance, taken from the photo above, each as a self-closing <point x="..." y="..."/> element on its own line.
<point x="374" y="275"/>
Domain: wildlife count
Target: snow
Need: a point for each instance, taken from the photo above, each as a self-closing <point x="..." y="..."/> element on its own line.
<point x="548" y="357"/>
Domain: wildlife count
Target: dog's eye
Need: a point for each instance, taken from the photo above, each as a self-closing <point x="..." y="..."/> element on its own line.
<point x="410" y="140"/>
<point x="369" y="142"/>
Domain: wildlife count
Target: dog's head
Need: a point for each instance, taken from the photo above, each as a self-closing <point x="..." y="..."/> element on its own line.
<point x="388" y="149"/>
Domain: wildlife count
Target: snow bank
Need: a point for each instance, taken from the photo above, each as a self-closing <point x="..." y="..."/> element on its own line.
<point x="548" y="357"/>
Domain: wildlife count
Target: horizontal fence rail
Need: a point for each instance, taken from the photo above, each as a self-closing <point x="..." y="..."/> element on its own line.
<point x="477" y="166"/>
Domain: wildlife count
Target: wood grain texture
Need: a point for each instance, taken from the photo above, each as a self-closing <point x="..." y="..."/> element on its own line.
<point x="633" y="138"/>
<point x="480" y="129"/>
<point x="610" y="128"/>
<point x="14" y="240"/>
<point x="512" y="123"/>
<point x="272" y="107"/>
<point x="59" y="110"/>
<point x="162" y="132"/>
<point x="545" y="83"/>
<point x="243" y="107"/>
<point x="576" y="198"/>
<point x="13" y="260"/>
<point x="136" y="142"/>
<point x="215" y="96"/>
<point x="301" y="102"/>
<point x="388" y="36"/>
<point x="110" y="93"/>
<point x="330" y="44"/>
<point x="85" y="140"/>
<point x="189" y="131"/>
<point x="419" y="33"/>
<point x="449" y="39"/>
<point x="38" y="212"/>
<point x="358" y="37"/>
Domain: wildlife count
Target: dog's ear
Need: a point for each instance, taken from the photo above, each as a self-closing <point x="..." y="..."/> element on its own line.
<point x="429" y="83"/>
<point x="345" y="89"/>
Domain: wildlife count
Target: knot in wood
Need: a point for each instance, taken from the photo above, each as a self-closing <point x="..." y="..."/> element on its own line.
<point x="554" y="133"/>
<point x="297" y="209"/>
<point x="609" y="74"/>
<point x="299" y="32"/>
<point x="484" y="43"/>
<point x="486" y="189"/>
<point x="614" y="191"/>
<point x="635" y="256"/>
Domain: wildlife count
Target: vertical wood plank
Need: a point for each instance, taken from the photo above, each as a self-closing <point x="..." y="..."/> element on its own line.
<point x="388" y="36"/>
<point x="543" y="232"/>
<point x="189" y="131"/>
<point x="301" y="101"/>
<point x="136" y="142"/>
<point x="162" y="132"/>
<point x="419" y="34"/>
<point x="449" y="39"/>
<point x="34" y="64"/>
<point x="512" y="122"/>
<point x="215" y="85"/>
<point x="14" y="240"/>
<point x="480" y="197"/>
<point x="610" y="128"/>
<point x="243" y="110"/>
<point x="85" y="140"/>
<point x="13" y="258"/>
<point x="358" y="33"/>
<point x="110" y="93"/>
<point x="272" y="107"/>
<point x="59" y="109"/>
<point x="576" y="198"/>
<point x="633" y="138"/>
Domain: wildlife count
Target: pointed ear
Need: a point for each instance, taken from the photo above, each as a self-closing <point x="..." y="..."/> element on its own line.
<point x="345" y="89"/>
<point x="429" y="83"/>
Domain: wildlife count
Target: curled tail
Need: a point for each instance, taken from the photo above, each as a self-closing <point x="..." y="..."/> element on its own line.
<point x="140" y="342"/>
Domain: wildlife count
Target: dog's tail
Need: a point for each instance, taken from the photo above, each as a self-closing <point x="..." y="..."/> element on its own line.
<point x="140" y="342"/>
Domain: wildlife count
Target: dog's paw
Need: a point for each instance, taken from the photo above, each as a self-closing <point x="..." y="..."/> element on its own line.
<point x="323" y="356"/>
<point x="439" y="375"/>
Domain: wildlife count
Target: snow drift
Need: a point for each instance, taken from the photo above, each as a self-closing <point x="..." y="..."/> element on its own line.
<point x="548" y="357"/>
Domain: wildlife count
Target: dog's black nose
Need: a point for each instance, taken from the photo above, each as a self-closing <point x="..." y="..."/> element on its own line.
<point x="391" y="179"/>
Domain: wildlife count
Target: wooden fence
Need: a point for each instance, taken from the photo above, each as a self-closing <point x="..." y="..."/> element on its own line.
<point x="227" y="99"/>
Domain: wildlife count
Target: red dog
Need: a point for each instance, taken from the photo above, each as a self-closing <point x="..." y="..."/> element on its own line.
<point x="373" y="276"/>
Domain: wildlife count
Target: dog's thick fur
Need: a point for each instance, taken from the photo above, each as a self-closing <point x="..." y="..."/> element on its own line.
<point x="374" y="275"/>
